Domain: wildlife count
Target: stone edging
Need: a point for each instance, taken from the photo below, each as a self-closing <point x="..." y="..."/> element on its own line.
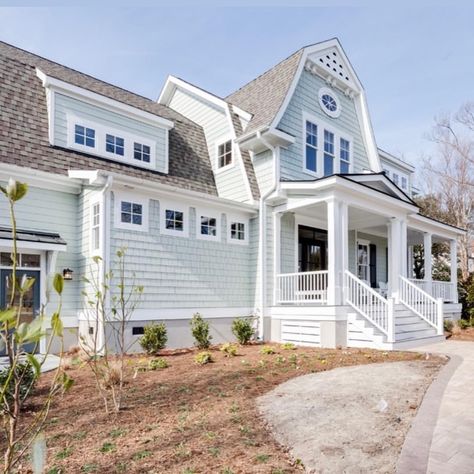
<point x="415" y="452"/>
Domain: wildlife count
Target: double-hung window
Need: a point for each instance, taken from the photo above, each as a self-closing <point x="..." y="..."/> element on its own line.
<point x="328" y="153"/>
<point x="84" y="136"/>
<point x="345" y="155"/>
<point x="311" y="146"/>
<point x="237" y="231"/>
<point x="95" y="226"/>
<point x="404" y="183"/>
<point x="224" y="154"/>
<point x="114" y="144"/>
<point x="395" y="178"/>
<point x="174" y="220"/>
<point x="141" y="152"/>
<point x="131" y="213"/>
<point x="208" y="226"/>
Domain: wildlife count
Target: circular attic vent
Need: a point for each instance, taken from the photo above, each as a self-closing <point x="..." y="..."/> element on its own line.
<point x="329" y="102"/>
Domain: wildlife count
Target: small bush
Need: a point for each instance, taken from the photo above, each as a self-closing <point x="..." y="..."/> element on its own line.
<point x="288" y="346"/>
<point x="448" y="325"/>
<point x="268" y="350"/>
<point x="229" y="350"/>
<point x="203" y="358"/>
<point x="156" y="364"/>
<point x="201" y="332"/>
<point x="154" y="338"/>
<point x="242" y="329"/>
<point x="29" y="379"/>
<point x="462" y="324"/>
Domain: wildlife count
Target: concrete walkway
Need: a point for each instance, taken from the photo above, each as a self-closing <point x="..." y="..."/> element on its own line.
<point x="51" y="362"/>
<point x="441" y="440"/>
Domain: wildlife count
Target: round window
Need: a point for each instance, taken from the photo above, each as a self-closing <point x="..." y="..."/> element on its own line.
<point x="329" y="102"/>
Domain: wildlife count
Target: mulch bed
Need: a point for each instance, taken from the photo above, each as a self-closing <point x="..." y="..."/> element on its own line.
<point x="185" y="418"/>
<point x="462" y="334"/>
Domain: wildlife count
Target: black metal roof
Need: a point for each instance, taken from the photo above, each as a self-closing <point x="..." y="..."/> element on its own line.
<point x="32" y="236"/>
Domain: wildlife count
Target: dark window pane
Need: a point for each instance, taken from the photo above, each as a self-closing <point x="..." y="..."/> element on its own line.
<point x="178" y="216"/>
<point x="109" y="147"/>
<point x="169" y="224"/>
<point x="29" y="260"/>
<point x="204" y="230"/>
<point x="212" y="222"/>
<point x="79" y="129"/>
<point x="137" y="208"/>
<point x="169" y="214"/>
<point x="90" y="142"/>
<point x="146" y="149"/>
<point x="310" y="158"/>
<point x="137" y="219"/>
<point x="137" y="155"/>
<point x="328" y="165"/>
<point x="126" y="217"/>
<point x="344" y="167"/>
<point x="119" y="151"/>
<point x="119" y="141"/>
<point x="126" y="206"/>
<point x="109" y="139"/>
<point x="79" y="139"/>
<point x="146" y="158"/>
<point x="90" y="133"/>
<point x="178" y="225"/>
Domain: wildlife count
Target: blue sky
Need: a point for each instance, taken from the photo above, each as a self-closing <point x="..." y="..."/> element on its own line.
<point x="414" y="62"/>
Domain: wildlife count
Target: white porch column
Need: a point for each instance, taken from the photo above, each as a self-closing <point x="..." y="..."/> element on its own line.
<point x="410" y="262"/>
<point x="276" y="254"/>
<point x="394" y="260"/>
<point x="453" y="250"/>
<point x="427" y="264"/>
<point x="337" y="250"/>
<point x="403" y="248"/>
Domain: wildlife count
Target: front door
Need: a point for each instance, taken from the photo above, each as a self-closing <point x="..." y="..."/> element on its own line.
<point x="363" y="261"/>
<point x="31" y="300"/>
<point x="312" y="249"/>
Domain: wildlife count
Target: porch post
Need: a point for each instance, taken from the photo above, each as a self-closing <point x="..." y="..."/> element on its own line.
<point x="276" y="254"/>
<point x="410" y="262"/>
<point x="427" y="265"/>
<point x="403" y="248"/>
<point x="453" y="248"/>
<point x="337" y="250"/>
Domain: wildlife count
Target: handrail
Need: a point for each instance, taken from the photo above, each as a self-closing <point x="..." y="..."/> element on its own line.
<point x="370" y="304"/>
<point x="302" y="287"/>
<point x="422" y="303"/>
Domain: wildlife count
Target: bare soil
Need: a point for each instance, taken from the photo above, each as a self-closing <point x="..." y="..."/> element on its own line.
<point x="462" y="334"/>
<point x="186" y="418"/>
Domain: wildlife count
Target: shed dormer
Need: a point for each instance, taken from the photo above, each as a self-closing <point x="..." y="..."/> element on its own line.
<point x="84" y="121"/>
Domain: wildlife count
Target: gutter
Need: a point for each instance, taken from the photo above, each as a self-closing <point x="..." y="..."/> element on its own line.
<point x="262" y="234"/>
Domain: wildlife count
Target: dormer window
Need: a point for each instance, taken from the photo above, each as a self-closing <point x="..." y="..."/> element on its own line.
<point x="84" y="136"/>
<point x="224" y="154"/>
<point x="114" y="144"/>
<point x="141" y="152"/>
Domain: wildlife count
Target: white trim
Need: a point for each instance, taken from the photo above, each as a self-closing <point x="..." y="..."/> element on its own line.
<point x="102" y="101"/>
<point x="211" y="213"/>
<point x="96" y="201"/>
<point x="120" y="197"/>
<point x="25" y="245"/>
<point x="99" y="148"/>
<point x="174" y="206"/>
<point x="425" y="224"/>
<point x="234" y="218"/>
<point x="330" y="92"/>
<point x="365" y="243"/>
<point x="222" y="141"/>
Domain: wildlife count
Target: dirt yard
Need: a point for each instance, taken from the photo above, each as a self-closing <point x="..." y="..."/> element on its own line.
<point x="187" y="418"/>
<point x="462" y="334"/>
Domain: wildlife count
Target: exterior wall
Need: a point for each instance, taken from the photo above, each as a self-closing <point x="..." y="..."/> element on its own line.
<point x="105" y="118"/>
<point x="288" y="244"/>
<point x="186" y="272"/>
<point x="52" y="211"/>
<point x="390" y="168"/>
<point x="217" y="128"/>
<point x="263" y="166"/>
<point x="305" y="99"/>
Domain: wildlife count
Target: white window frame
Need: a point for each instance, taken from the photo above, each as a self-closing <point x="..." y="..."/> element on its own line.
<point x="233" y="218"/>
<point x="338" y="134"/>
<point x="367" y="244"/>
<point x="212" y="214"/>
<point x="120" y="197"/>
<point x="93" y="227"/>
<point x="99" y="149"/>
<point x="174" y="206"/>
<point x="220" y="142"/>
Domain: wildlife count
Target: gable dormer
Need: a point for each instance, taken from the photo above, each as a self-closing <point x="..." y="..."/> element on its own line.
<point x="93" y="124"/>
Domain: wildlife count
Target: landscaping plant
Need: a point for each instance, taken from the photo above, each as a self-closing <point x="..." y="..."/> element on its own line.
<point x="154" y="338"/>
<point x="229" y="350"/>
<point x="202" y="358"/>
<point x="200" y="331"/>
<point x="112" y="302"/>
<point x="243" y="330"/>
<point x="156" y="364"/>
<point x="18" y="378"/>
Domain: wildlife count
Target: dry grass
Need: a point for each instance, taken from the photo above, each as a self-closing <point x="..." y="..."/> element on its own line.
<point x="186" y="418"/>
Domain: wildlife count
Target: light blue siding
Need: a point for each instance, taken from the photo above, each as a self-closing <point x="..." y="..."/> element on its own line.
<point x="263" y="166"/>
<point x="65" y="105"/>
<point x="288" y="245"/>
<point x="305" y="99"/>
<point x="52" y="211"/>
<point x="186" y="272"/>
<point x="216" y="125"/>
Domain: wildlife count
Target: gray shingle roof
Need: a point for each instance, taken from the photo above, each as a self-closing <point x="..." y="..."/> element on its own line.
<point x="24" y="130"/>
<point x="263" y="96"/>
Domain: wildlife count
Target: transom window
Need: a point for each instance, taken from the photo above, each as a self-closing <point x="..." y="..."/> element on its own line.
<point x="209" y="226"/>
<point x="311" y="146"/>
<point x="114" y="144"/>
<point x="84" y="136"/>
<point x="345" y="155"/>
<point x="141" y="152"/>
<point x="174" y="220"/>
<point x="237" y="230"/>
<point x="131" y="213"/>
<point x="328" y="153"/>
<point x="24" y="260"/>
<point x="224" y="154"/>
<point x="95" y="226"/>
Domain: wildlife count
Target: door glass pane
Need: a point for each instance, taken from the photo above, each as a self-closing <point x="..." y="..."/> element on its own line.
<point x="28" y="307"/>
<point x="29" y="260"/>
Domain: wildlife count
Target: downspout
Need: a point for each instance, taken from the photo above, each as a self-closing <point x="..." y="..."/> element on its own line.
<point x="262" y="224"/>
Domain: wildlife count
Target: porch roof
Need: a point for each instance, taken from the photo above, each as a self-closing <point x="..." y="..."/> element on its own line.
<point x="32" y="239"/>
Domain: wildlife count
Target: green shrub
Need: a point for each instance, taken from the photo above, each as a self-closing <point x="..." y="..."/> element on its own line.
<point x="242" y="329"/>
<point x="462" y="324"/>
<point x="268" y="350"/>
<point x="156" y="364"/>
<point x="288" y="346"/>
<point x="28" y="381"/>
<point x="200" y="331"/>
<point x="448" y="325"/>
<point x="203" y="358"/>
<point x="154" y="338"/>
<point x="229" y="350"/>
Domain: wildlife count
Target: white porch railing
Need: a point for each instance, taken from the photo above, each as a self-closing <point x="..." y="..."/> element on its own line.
<point x="378" y="310"/>
<point x="302" y="288"/>
<point x="421" y="303"/>
<point x="437" y="289"/>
